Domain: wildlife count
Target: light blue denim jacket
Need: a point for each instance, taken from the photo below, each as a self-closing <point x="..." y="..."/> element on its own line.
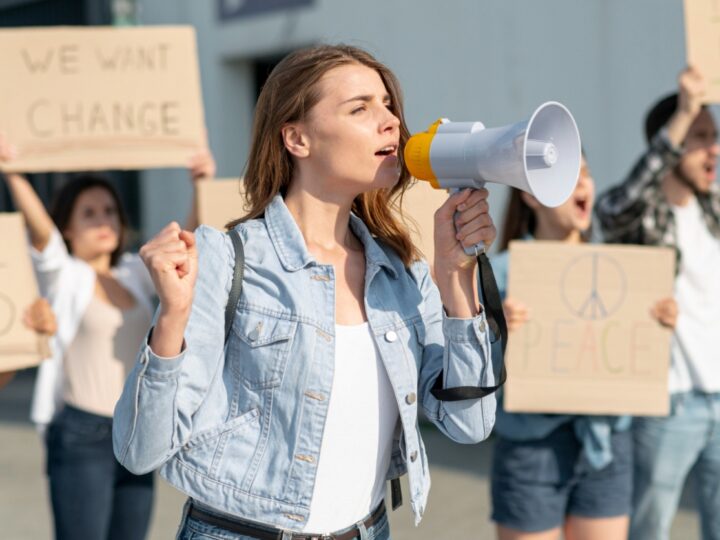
<point x="240" y="429"/>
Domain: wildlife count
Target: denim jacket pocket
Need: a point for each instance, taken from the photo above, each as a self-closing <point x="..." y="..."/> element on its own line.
<point x="208" y="435"/>
<point x="261" y="348"/>
<point x="204" y="452"/>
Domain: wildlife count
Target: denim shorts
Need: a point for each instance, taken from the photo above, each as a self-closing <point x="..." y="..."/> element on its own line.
<point x="536" y="484"/>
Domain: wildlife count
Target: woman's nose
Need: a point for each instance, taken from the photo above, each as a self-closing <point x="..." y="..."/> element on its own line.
<point x="390" y="122"/>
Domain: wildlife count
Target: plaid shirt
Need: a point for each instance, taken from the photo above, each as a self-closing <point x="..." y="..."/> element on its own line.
<point x="637" y="212"/>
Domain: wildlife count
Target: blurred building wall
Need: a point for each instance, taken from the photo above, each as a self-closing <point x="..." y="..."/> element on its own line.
<point x="488" y="60"/>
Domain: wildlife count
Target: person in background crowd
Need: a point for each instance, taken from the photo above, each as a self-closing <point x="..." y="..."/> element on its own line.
<point x="103" y="300"/>
<point x="671" y="199"/>
<point x="558" y="475"/>
<point x="39" y="317"/>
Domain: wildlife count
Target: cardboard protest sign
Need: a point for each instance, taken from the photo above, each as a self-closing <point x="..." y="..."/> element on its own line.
<point x="220" y="201"/>
<point x="702" y="38"/>
<point x="91" y="98"/>
<point x="590" y="346"/>
<point x="420" y="202"/>
<point x="19" y="346"/>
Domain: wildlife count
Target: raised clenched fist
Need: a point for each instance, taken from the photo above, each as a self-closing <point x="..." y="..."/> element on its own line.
<point x="171" y="257"/>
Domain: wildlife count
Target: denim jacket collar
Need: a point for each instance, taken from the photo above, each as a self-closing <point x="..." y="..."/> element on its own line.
<point x="292" y="250"/>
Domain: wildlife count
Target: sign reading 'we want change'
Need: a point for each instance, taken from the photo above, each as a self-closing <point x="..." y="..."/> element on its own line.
<point x="100" y="98"/>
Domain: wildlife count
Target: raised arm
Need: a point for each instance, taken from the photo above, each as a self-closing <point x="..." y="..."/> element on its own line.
<point x="691" y="93"/>
<point x="38" y="221"/>
<point x="620" y="208"/>
<point x="154" y="416"/>
<point x="456" y="343"/>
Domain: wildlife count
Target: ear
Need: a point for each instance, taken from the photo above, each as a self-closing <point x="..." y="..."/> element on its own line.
<point x="531" y="201"/>
<point x="295" y="140"/>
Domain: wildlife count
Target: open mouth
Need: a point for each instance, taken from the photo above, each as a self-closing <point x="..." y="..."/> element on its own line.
<point x="389" y="150"/>
<point x="582" y="205"/>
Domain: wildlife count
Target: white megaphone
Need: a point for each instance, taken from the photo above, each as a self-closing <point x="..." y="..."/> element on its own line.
<point x="541" y="155"/>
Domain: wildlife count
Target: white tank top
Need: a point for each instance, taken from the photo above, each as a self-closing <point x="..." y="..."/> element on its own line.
<point x="102" y="355"/>
<point x="357" y="441"/>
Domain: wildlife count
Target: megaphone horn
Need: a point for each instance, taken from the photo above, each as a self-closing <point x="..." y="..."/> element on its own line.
<point x="540" y="155"/>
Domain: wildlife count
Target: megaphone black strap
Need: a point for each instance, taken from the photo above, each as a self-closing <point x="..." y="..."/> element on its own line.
<point x="496" y="321"/>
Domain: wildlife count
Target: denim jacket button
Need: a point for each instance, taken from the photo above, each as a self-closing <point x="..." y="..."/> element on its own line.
<point x="410" y="398"/>
<point x="390" y="336"/>
<point x="413" y="456"/>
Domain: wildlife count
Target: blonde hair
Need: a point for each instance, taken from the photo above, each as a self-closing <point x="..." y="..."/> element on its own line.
<point x="288" y="95"/>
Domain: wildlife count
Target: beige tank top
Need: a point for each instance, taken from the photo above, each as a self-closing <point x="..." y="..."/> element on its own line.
<point x="102" y="354"/>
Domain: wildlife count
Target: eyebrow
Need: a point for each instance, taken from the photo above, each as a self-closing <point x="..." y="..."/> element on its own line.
<point x="367" y="98"/>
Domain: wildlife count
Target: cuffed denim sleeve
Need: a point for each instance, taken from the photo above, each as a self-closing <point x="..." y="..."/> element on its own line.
<point x="154" y="416"/>
<point x="458" y="350"/>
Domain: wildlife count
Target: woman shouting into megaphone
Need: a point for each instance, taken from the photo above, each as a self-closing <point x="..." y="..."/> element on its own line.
<point x="290" y="424"/>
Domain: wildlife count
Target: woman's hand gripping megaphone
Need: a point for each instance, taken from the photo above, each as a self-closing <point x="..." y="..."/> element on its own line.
<point x="463" y="226"/>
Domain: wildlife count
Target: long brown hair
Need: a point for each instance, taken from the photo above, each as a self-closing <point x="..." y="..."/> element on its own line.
<point x="288" y="95"/>
<point x="520" y="220"/>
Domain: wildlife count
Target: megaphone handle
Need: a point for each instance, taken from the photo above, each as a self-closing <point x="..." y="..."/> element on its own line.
<point x="477" y="249"/>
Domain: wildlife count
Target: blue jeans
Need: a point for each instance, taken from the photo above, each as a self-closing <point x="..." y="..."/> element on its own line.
<point x="665" y="451"/>
<point x="193" y="529"/>
<point x="93" y="497"/>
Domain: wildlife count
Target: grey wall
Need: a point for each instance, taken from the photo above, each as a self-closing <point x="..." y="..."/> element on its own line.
<point x="488" y="60"/>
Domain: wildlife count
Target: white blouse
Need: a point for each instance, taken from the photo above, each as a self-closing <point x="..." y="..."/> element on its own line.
<point x="69" y="284"/>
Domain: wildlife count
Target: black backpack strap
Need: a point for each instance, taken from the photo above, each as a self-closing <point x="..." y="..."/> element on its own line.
<point x="236" y="287"/>
<point x="496" y="320"/>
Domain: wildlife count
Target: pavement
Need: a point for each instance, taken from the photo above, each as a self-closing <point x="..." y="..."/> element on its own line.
<point x="458" y="507"/>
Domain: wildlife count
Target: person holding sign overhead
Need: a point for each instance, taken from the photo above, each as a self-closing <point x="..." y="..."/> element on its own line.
<point x="292" y="428"/>
<point x="39" y="317"/>
<point x="555" y="475"/>
<point x="103" y="299"/>
<point x="671" y="199"/>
